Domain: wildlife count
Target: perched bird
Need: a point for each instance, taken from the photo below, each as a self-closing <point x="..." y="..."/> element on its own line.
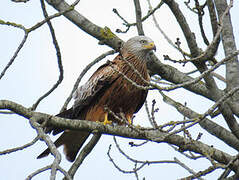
<point x="109" y="87"/>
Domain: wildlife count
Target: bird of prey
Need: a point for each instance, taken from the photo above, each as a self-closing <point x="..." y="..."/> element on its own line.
<point x="116" y="86"/>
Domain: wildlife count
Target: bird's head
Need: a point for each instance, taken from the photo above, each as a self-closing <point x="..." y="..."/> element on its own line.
<point x="139" y="46"/>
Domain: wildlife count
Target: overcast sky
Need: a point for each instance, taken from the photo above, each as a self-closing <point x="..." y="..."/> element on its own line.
<point x="35" y="71"/>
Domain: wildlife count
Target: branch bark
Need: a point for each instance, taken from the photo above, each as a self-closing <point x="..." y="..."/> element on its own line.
<point x="122" y="131"/>
<point x="138" y="13"/>
<point x="229" y="45"/>
<point x="104" y="35"/>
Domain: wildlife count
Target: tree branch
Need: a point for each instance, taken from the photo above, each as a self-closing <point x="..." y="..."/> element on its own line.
<point x="210" y="126"/>
<point x="138" y="14"/>
<point x="229" y="45"/>
<point x="58" y="54"/>
<point x="104" y="35"/>
<point x="152" y="135"/>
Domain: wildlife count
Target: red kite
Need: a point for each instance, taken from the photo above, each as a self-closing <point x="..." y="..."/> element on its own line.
<point x="109" y="87"/>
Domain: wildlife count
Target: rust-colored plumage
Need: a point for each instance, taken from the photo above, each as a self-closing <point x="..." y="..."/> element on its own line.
<point x="107" y="87"/>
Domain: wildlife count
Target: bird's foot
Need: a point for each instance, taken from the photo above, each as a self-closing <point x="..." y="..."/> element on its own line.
<point x="106" y="121"/>
<point x="128" y="117"/>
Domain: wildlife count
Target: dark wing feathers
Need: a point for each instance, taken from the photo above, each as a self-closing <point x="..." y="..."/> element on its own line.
<point x="98" y="82"/>
<point x="102" y="78"/>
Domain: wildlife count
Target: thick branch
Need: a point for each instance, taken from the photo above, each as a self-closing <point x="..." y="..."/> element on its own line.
<point x="211" y="127"/>
<point x="103" y="34"/>
<point x="153" y="135"/>
<point x="138" y="14"/>
<point x="175" y="76"/>
<point x="229" y="45"/>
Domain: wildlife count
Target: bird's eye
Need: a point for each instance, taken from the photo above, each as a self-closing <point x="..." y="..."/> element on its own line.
<point x="143" y="41"/>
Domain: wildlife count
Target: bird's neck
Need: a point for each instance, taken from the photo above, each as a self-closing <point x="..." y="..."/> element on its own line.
<point x="137" y="63"/>
<point x="140" y="55"/>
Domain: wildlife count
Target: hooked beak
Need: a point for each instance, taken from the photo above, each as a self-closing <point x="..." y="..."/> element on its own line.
<point x="150" y="46"/>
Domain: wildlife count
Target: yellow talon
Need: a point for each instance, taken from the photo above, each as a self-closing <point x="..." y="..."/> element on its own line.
<point x="106" y="121"/>
<point x="129" y="119"/>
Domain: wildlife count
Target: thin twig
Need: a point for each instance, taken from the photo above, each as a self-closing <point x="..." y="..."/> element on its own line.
<point x="147" y="112"/>
<point x="200" y="13"/>
<point x="15" y="54"/>
<point x="197" y="79"/>
<point x="28" y="30"/>
<point x="38" y="172"/>
<point x="208" y="112"/>
<point x="164" y="34"/>
<point x="186" y="167"/>
<point x="204" y="172"/>
<point x="59" y="60"/>
<point x="20" y="148"/>
<point x="213" y="46"/>
<point x="128" y="25"/>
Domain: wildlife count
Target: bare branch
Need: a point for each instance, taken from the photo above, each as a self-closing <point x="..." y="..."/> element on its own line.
<point x="105" y="35"/>
<point x="164" y="34"/>
<point x="186" y="167"/>
<point x="15" y="54"/>
<point x="138" y="17"/>
<point x="204" y="172"/>
<point x="213" y="46"/>
<point x="158" y="136"/>
<point x="209" y="111"/>
<point x="206" y="124"/>
<point x="136" y="162"/>
<point x="34" y="123"/>
<point x="128" y="25"/>
<point x="59" y="60"/>
<point x="199" y="77"/>
<point x="229" y="45"/>
<point x="20" y="148"/>
<point x="200" y="12"/>
<point x="38" y="172"/>
<point x="184" y="26"/>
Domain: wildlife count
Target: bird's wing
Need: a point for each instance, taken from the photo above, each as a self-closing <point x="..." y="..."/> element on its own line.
<point x="102" y="78"/>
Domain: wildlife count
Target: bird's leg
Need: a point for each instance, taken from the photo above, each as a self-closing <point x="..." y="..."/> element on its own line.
<point x="106" y="121"/>
<point x="128" y="117"/>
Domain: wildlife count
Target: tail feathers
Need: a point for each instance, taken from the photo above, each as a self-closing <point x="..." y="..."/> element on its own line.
<point x="72" y="141"/>
<point x="44" y="153"/>
<point x="57" y="143"/>
<point x="65" y="114"/>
